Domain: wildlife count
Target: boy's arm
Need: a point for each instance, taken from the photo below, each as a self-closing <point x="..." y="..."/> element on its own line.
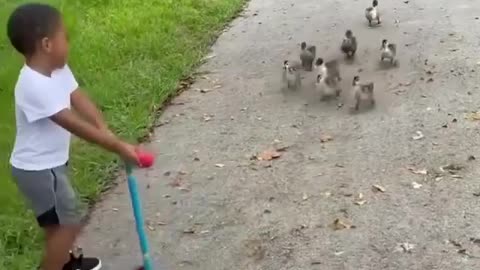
<point x="85" y="107"/>
<point x="76" y="125"/>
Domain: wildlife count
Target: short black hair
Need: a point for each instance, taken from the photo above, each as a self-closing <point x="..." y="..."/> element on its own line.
<point x="30" y="23"/>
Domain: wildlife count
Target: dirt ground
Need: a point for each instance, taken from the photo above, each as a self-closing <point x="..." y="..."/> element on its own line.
<point x="210" y="206"/>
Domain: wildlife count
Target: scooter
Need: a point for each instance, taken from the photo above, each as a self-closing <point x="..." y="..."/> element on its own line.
<point x="146" y="160"/>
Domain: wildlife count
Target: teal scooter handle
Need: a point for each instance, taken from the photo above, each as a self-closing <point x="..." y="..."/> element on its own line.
<point x="139" y="221"/>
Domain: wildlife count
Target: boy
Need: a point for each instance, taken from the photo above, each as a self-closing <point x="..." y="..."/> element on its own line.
<point x="44" y="93"/>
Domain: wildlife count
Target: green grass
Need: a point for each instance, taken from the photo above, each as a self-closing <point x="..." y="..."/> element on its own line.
<point x="129" y="55"/>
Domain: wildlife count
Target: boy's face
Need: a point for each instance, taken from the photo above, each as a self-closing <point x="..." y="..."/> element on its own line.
<point x="56" y="46"/>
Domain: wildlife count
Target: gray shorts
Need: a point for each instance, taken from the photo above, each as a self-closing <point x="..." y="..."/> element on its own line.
<point x="50" y="195"/>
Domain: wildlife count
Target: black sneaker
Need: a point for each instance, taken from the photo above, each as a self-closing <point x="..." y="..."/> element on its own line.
<point x="82" y="263"/>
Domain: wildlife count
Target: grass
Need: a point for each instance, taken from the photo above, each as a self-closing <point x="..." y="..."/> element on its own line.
<point x="129" y="55"/>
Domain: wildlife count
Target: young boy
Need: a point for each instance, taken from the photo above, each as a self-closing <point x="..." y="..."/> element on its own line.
<point x="44" y="94"/>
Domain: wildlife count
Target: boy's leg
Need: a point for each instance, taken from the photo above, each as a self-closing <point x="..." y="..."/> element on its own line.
<point x="57" y="247"/>
<point x="53" y="201"/>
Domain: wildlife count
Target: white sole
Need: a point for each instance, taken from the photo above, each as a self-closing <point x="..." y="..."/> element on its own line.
<point x="99" y="266"/>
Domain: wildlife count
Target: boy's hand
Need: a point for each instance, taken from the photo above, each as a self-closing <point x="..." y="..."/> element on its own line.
<point x="129" y="153"/>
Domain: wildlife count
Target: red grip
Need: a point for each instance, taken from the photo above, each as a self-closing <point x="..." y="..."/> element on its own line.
<point x="146" y="159"/>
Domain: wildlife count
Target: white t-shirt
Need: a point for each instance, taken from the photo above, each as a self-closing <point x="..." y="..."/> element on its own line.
<point x="40" y="143"/>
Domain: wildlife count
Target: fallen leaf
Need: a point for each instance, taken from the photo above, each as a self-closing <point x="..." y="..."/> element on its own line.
<point x="475" y="240"/>
<point x="338" y="253"/>
<point x="471" y="158"/>
<point x="416" y="185"/>
<point x="451" y="168"/>
<point x="325" y="138"/>
<point x="255" y="249"/>
<point x="282" y="148"/>
<point x="378" y="188"/>
<point x="339" y="224"/>
<point x="418" y="171"/>
<point x="219" y="165"/>
<point x="457" y="245"/>
<point x="327" y="194"/>
<point x="473" y="116"/>
<point x="209" y="57"/>
<point x="269" y="155"/>
<point x="305" y="196"/>
<point x="203" y="90"/>
<point x="419" y="135"/>
<point x="189" y="231"/>
<point x="185" y="189"/>
<point x="177" y="182"/>
<point x="406" y="247"/>
<point x="207" y="117"/>
<point x="115" y="209"/>
<point x="360" y="202"/>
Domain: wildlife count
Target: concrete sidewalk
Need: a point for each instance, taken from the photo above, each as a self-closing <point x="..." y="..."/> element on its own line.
<point x="209" y="206"/>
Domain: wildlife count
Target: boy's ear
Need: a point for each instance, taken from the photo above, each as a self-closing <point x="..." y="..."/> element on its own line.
<point x="46" y="44"/>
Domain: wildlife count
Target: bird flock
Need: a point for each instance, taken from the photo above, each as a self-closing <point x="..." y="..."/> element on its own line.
<point x="328" y="73"/>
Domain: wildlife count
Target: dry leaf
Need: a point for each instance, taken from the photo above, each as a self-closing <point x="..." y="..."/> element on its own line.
<point x="219" y="165"/>
<point x="189" y="231"/>
<point x="416" y="185"/>
<point x="418" y="171"/>
<point x="207" y="117"/>
<point x="378" y="188"/>
<point x="360" y="196"/>
<point x="339" y="224"/>
<point x="208" y="57"/>
<point x="474" y="116"/>
<point x="177" y="182"/>
<point x="186" y="189"/>
<point x="406" y="247"/>
<point x="305" y="196"/>
<point x="268" y="155"/>
<point x="419" y="135"/>
<point x="451" y="168"/>
<point x="326" y="138"/>
<point x="360" y="202"/>
<point x="204" y="90"/>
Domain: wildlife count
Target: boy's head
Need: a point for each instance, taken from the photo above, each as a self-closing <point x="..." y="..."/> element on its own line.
<point x="37" y="30"/>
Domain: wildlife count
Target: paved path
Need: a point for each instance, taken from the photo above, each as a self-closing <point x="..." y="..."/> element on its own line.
<point x="277" y="215"/>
